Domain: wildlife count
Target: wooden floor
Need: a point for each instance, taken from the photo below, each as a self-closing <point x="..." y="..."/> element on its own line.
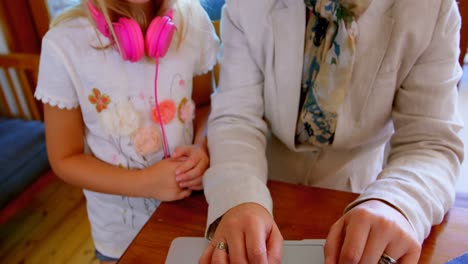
<point x="53" y="228"/>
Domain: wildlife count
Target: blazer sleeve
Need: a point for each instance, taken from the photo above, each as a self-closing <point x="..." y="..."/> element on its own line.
<point x="426" y="150"/>
<point x="236" y="128"/>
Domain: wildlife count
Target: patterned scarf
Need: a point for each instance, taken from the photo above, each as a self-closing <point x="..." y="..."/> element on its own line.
<point x="328" y="64"/>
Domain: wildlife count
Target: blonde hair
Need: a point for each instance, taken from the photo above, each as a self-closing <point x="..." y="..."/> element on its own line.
<point x="113" y="9"/>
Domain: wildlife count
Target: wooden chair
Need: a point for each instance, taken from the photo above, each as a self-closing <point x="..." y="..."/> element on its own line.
<point x="18" y="78"/>
<point x="216" y="68"/>
<point x="463" y="7"/>
<point x="23" y="153"/>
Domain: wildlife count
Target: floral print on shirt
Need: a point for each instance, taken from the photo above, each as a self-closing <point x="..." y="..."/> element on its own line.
<point x="186" y="111"/>
<point x="133" y="123"/>
<point x="167" y="109"/>
<point x="101" y="101"/>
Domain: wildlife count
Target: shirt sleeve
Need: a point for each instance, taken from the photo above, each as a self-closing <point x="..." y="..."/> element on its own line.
<point x="424" y="162"/>
<point x="55" y="86"/>
<point x="237" y="131"/>
<point x="209" y="41"/>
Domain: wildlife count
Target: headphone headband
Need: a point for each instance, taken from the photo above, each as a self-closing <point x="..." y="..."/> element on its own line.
<point x="130" y="38"/>
<point x="99" y="19"/>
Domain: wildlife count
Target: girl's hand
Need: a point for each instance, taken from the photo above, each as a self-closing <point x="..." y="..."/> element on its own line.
<point x="195" y="162"/>
<point x="368" y="231"/>
<point x="159" y="181"/>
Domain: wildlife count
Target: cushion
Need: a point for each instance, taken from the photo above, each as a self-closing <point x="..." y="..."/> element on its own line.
<point x="23" y="156"/>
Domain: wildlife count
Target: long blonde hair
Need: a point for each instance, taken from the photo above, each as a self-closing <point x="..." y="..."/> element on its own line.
<point x="113" y="9"/>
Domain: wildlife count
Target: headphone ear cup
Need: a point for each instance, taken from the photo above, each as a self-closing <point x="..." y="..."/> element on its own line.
<point x="159" y="36"/>
<point x="130" y="39"/>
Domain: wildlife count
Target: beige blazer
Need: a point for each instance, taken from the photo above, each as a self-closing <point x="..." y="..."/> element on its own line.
<point x="403" y="87"/>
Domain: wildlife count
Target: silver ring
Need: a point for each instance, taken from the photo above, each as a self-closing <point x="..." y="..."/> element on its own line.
<point x="386" y="259"/>
<point x="221" y="246"/>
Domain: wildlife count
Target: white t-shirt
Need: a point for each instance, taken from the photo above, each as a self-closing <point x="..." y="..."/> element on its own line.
<point x="116" y="98"/>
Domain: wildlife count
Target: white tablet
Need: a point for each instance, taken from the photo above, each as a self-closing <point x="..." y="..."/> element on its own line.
<point x="187" y="250"/>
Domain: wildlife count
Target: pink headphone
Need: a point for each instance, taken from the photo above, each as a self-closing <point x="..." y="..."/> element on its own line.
<point x="132" y="46"/>
<point x="130" y="37"/>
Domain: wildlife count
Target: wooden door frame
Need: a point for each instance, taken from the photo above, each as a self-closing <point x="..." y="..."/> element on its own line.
<point x="24" y="23"/>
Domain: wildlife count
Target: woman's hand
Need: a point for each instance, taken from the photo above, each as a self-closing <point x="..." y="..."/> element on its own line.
<point x="159" y="181"/>
<point x="369" y="230"/>
<point x="251" y="236"/>
<point x="195" y="162"/>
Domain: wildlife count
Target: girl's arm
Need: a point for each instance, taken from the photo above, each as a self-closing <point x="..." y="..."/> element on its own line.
<point x="202" y="89"/>
<point x="190" y="172"/>
<point x="65" y="148"/>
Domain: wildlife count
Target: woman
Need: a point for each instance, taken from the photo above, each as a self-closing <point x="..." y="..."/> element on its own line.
<point x="334" y="81"/>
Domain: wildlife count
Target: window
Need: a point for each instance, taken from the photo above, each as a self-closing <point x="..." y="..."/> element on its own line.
<point x="57" y="6"/>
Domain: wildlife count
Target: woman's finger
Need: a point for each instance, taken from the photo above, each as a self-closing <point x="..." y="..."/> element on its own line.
<point x="402" y="248"/>
<point x="354" y="243"/>
<point x="220" y="253"/>
<point x="205" y="258"/>
<point x="275" y="246"/>
<point x="410" y="257"/>
<point x="256" y="245"/>
<point x="379" y="238"/>
<point x="236" y="245"/>
<point x="333" y="243"/>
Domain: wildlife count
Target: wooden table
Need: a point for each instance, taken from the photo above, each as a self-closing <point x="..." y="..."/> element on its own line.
<point x="300" y="212"/>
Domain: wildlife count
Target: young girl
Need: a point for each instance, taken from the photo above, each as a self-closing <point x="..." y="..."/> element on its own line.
<point x="116" y="79"/>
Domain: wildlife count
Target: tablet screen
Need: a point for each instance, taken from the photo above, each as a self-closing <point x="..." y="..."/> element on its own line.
<point x="189" y="249"/>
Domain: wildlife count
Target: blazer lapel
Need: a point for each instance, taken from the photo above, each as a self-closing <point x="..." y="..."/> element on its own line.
<point x="375" y="29"/>
<point x="288" y="20"/>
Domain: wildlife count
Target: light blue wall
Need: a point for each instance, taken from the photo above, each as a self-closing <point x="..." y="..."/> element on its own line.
<point x="3" y="43"/>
